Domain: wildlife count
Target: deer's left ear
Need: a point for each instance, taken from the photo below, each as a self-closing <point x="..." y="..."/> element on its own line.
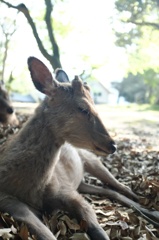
<point x="61" y="76"/>
<point x="41" y="76"/>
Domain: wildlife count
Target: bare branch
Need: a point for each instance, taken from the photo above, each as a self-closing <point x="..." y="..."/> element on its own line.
<point x="52" y="59"/>
<point x="49" y="8"/>
<point x="5" y="55"/>
<point x="144" y="23"/>
<point x="7" y="32"/>
<point x="8" y="4"/>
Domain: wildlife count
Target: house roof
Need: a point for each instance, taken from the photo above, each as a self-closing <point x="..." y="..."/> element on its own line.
<point x="93" y="82"/>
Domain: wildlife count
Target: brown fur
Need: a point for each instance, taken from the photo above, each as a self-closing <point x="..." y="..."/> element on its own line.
<point x="7" y="115"/>
<point x="41" y="171"/>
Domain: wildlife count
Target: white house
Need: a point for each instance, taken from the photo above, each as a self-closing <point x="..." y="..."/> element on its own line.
<point x="99" y="92"/>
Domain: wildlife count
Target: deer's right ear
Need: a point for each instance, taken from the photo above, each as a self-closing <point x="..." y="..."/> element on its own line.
<point x="41" y="76"/>
<point x="61" y="76"/>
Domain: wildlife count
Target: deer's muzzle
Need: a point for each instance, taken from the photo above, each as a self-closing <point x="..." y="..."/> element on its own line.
<point x="104" y="145"/>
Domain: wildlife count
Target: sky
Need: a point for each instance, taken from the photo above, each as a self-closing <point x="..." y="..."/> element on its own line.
<point x="91" y="35"/>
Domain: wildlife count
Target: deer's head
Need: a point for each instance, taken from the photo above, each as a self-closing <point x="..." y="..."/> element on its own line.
<point x="70" y="109"/>
<point x="5" y="107"/>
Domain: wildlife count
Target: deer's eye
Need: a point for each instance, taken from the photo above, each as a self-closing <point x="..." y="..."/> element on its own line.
<point x="84" y="111"/>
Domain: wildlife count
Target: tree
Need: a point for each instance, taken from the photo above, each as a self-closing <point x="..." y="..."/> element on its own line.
<point x="7" y="29"/>
<point x="136" y="14"/>
<point x="138" y="32"/>
<point x="137" y="88"/>
<point x="132" y="88"/>
<point x="54" y="56"/>
<point x="151" y="79"/>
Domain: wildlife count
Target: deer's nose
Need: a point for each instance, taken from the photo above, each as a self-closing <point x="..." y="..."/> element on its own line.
<point x="113" y="147"/>
<point x="10" y="110"/>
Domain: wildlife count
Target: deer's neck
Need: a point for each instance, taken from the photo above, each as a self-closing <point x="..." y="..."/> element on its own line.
<point x="41" y="136"/>
<point x="37" y="144"/>
<point x="29" y="160"/>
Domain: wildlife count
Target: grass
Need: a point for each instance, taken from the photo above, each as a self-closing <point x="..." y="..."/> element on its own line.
<point x="118" y="116"/>
<point x="131" y="106"/>
<point x="142" y="111"/>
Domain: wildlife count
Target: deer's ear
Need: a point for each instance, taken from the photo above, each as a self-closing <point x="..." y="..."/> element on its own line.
<point x="41" y="76"/>
<point x="61" y="76"/>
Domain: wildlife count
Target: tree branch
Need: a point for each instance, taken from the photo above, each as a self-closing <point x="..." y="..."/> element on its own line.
<point x="7" y="34"/>
<point x="22" y="8"/>
<point x="49" y="8"/>
<point x="144" y="23"/>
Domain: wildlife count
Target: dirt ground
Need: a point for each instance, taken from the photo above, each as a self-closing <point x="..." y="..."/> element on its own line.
<point x="126" y="122"/>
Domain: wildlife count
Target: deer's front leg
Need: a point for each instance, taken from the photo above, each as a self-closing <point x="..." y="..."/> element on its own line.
<point x="20" y="211"/>
<point x="78" y="207"/>
<point x="94" y="166"/>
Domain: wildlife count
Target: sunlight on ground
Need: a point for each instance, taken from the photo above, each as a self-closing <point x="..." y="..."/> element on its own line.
<point x="132" y="123"/>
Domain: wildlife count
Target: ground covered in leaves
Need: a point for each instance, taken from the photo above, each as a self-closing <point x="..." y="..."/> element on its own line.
<point x="136" y="164"/>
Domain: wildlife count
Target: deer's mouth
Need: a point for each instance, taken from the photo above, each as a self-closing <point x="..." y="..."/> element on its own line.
<point x="105" y="151"/>
<point x="100" y="151"/>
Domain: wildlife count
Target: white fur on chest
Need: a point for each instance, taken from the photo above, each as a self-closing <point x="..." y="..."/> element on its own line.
<point x="70" y="167"/>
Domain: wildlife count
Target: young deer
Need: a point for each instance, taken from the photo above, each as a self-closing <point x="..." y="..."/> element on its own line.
<point x="28" y="182"/>
<point x="7" y="115"/>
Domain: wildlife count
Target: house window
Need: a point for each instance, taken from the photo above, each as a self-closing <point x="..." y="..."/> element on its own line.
<point x="99" y="94"/>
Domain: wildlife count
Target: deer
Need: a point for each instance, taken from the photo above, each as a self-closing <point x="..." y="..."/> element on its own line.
<point x="27" y="165"/>
<point x="7" y="114"/>
<point x="42" y="167"/>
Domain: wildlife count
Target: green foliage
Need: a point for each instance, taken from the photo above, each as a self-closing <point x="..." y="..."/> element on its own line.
<point x="135" y="17"/>
<point x="127" y="33"/>
<point x="61" y="25"/>
<point x="124" y="39"/>
<point x="138" y="32"/>
<point x="146" y="54"/>
<point x="137" y="7"/>
<point x="139" y="88"/>
<point x="144" y="12"/>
